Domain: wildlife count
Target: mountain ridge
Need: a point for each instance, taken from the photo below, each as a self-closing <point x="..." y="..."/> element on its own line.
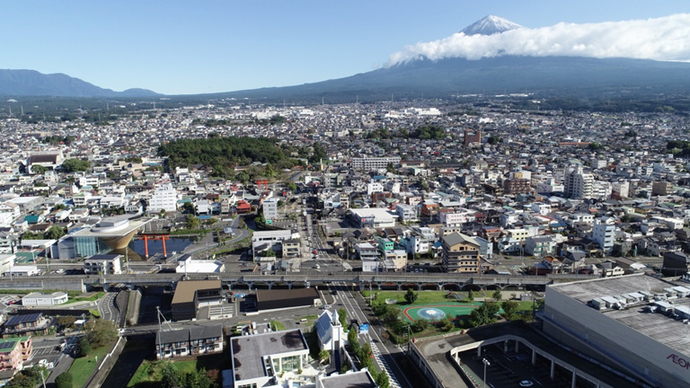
<point x="25" y="82"/>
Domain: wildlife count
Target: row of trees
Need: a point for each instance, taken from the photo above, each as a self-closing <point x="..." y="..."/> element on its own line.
<point x="366" y="359"/>
<point x="53" y="233"/>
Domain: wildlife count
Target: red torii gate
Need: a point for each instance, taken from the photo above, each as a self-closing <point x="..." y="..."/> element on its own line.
<point x="154" y="236"/>
<point x="260" y="182"/>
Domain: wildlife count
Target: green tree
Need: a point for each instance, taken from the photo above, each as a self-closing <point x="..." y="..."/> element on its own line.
<point x="382" y="379"/>
<point x="54" y="232"/>
<point x="420" y="325"/>
<point x="510" y="307"/>
<point x="497" y="295"/>
<point x="342" y="317"/>
<point x="38" y="169"/>
<point x="64" y="380"/>
<point x="445" y="324"/>
<point x="411" y="296"/>
<point x="83" y="347"/>
<point x="170" y="377"/>
<point x="365" y="356"/>
<point x="470" y="296"/>
<point x="192" y="222"/>
<point x="101" y="332"/>
<point x="292" y="187"/>
<point x="75" y="165"/>
<point x="211" y="221"/>
<point x="352" y="340"/>
<point x="197" y="379"/>
<point x="29" y="377"/>
<point x="324" y="356"/>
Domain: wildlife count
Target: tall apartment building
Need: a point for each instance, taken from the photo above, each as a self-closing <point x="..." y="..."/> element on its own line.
<point x="662" y="188"/>
<point x="579" y="184"/>
<point x="163" y="198"/>
<point x="270" y="209"/>
<point x="516" y="186"/>
<point x="604" y="234"/>
<point x="460" y="253"/>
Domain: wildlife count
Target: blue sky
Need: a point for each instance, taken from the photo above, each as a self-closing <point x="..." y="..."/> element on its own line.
<point x="177" y="47"/>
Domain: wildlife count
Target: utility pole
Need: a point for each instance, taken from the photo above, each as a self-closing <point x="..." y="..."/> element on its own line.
<point x="486" y="362"/>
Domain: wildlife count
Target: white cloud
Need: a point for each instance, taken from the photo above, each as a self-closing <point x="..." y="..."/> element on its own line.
<point x="665" y="39"/>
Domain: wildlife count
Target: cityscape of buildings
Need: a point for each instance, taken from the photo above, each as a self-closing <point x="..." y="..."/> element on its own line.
<point x="594" y="205"/>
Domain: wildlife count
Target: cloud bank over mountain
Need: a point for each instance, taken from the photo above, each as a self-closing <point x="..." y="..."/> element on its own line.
<point x="662" y="39"/>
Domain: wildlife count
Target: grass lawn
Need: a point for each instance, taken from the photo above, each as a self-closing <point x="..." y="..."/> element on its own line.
<point x="149" y="372"/>
<point x="91" y="298"/>
<point x="83" y="367"/>
<point x="277" y="326"/>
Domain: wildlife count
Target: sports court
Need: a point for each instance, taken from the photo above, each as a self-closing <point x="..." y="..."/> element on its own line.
<point x="438" y="311"/>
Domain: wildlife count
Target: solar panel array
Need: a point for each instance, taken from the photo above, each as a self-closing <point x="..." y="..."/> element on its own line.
<point x="7" y="345"/>
<point x="19" y="319"/>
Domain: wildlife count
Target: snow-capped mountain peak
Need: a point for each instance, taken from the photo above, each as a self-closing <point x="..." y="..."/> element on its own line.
<point x="490" y="25"/>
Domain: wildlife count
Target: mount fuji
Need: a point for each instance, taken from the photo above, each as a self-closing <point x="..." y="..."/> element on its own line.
<point x="426" y="70"/>
<point x="490" y="25"/>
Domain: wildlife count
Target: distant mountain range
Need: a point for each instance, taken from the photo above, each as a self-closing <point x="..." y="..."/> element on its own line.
<point x="422" y="77"/>
<point x="33" y="83"/>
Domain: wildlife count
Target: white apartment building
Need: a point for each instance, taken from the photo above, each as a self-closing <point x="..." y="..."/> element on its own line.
<point x="622" y="188"/>
<point x="374" y="163"/>
<point x="604" y="233"/>
<point x="455" y="219"/>
<point x="541" y="208"/>
<point x="579" y="184"/>
<point x="374" y="187"/>
<point x="406" y="213"/>
<point x="270" y="208"/>
<point x="163" y="198"/>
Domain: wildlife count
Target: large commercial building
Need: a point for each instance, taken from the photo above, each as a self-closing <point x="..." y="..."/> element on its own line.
<point x="636" y="324"/>
<point x="41" y="299"/>
<point x="373" y="218"/>
<point x="269" y="300"/>
<point x="192" y="294"/>
<point x="112" y="233"/>
<point x="374" y="163"/>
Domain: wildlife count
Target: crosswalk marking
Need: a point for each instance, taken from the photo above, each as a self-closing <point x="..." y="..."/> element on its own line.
<point x="378" y="357"/>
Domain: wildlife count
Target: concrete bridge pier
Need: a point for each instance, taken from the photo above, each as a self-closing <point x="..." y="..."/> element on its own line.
<point x="289" y="284"/>
<point x="552" y="372"/>
<point x="249" y="285"/>
<point x="574" y="380"/>
<point x="270" y="285"/>
<point x="361" y="286"/>
<point x="505" y="346"/>
<point x="534" y="356"/>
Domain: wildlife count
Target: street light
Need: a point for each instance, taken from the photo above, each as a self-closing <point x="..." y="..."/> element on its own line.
<point x="486" y="362"/>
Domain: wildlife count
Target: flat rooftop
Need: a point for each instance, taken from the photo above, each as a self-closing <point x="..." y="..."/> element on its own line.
<point x="133" y="226"/>
<point x="184" y="292"/>
<point x="587" y="290"/>
<point x="349" y="380"/>
<point x="248" y="351"/>
<point x="657" y="326"/>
